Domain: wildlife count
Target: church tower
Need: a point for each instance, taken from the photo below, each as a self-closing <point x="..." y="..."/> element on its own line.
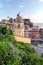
<point x="19" y="26"/>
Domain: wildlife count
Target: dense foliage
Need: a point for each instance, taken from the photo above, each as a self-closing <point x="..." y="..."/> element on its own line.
<point x="16" y="53"/>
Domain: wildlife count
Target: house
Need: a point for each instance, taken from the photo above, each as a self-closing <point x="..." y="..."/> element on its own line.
<point x="41" y="33"/>
<point x="34" y="33"/>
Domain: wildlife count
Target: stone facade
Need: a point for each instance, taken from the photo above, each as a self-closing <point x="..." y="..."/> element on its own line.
<point x="19" y="26"/>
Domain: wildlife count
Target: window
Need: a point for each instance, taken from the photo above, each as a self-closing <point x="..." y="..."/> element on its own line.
<point x="18" y="25"/>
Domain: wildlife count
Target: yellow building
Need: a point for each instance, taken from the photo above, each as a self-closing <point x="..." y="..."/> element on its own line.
<point x="23" y="39"/>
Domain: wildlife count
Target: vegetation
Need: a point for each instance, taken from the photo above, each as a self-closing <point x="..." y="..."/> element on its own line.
<point x="42" y="55"/>
<point x="16" y="53"/>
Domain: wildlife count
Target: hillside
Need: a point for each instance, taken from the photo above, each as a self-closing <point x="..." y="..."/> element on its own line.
<point x="16" y="53"/>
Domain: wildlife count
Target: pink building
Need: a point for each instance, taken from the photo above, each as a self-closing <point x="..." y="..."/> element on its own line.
<point x="33" y="32"/>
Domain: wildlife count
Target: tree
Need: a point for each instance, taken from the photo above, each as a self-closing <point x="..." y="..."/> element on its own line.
<point x="3" y="29"/>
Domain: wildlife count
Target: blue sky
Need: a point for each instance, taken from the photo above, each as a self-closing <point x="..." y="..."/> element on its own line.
<point x="32" y="9"/>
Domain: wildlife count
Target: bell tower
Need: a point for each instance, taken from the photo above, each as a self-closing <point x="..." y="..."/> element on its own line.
<point x="19" y="23"/>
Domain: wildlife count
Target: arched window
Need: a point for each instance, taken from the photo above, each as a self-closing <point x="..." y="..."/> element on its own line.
<point x="18" y="25"/>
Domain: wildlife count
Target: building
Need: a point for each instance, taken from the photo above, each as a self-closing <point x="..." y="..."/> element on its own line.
<point x="41" y="33"/>
<point x="28" y="25"/>
<point x="19" y="26"/>
<point x="3" y="21"/>
<point x="34" y="32"/>
<point x="22" y="27"/>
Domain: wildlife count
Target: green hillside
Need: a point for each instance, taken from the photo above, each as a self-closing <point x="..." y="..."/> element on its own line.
<point x="16" y="53"/>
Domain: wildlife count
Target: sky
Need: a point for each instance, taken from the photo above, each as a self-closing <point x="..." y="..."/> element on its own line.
<point x="32" y="9"/>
